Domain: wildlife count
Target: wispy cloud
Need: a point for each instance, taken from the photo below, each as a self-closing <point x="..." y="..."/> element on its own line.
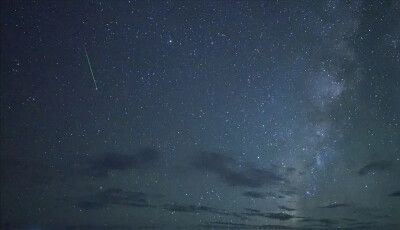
<point x="98" y="227"/>
<point x="334" y="205"/>
<point x="397" y="193"/>
<point x="283" y="207"/>
<point x="230" y="225"/>
<point x="103" y="164"/>
<point x="258" y="195"/>
<point x="227" y="169"/>
<point x="378" y="166"/>
<point x="277" y="216"/>
<point x="115" y="196"/>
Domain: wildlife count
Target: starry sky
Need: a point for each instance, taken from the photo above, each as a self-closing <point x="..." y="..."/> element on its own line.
<point x="120" y="115"/>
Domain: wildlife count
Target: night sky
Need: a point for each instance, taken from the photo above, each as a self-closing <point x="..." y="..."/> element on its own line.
<point x="120" y="115"/>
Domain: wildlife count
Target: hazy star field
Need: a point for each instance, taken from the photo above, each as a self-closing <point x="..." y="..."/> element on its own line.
<point x="120" y="115"/>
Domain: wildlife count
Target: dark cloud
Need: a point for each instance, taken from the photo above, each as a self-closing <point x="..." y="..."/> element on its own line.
<point x="98" y="227"/>
<point x="367" y="225"/>
<point x="226" y="168"/>
<point x="258" y="195"/>
<point x="279" y="216"/>
<point x="290" y="170"/>
<point x="327" y="221"/>
<point x="20" y="226"/>
<point x="283" y="207"/>
<point x="199" y="209"/>
<point x="371" y="213"/>
<point x="334" y="206"/>
<point x="105" y="163"/>
<point x="230" y="225"/>
<point x="252" y="210"/>
<point x="189" y="208"/>
<point x="288" y="192"/>
<point x="324" y="221"/>
<point x="349" y="219"/>
<point x="397" y="193"/>
<point x="374" y="167"/>
<point x="90" y="205"/>
<point x="224" y="225"/>
<point x="108" y="227"/>
<point x="276" y="216"/>
<point x="115" y="196"/>
<point x="262" y="195"/>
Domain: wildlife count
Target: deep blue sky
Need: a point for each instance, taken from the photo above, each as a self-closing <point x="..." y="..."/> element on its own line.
<point x="208" y="115"/>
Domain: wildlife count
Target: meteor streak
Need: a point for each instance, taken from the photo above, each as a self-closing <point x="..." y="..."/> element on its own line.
<point x="90" y="66"/>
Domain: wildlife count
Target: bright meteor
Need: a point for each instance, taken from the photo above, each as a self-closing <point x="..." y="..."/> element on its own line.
<point x="90" y="66"/>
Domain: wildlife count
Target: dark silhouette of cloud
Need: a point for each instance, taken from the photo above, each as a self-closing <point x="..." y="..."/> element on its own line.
<point x="397" y="193"/>
<point x="290" y="170"/>
<point x="226" y="168"/>
<point x="252" y="210"/>
<point x="371" y="225"/>
<point x="90" y="205"/>
<point x="230" y="225"/>
<point x="258" y="195"/>
<point x="276" y="216"/>
<point x="334" y="206"/>
<point x="288" y="192"/>
<point x="374" y="167"/>
<point x="189" y="208"/>
<point x="115" y="196"/>
<point x="324" y="221"/>
<point x="327" y="221"/>
<point x="98" y="227"/>
<point x="262" y="195"/>
<point x="371" y="213"/>
<point x="283" y="207"/>
<point x="349" y="219"/>
<point x="279" y="216"/>
<point x="105" y="163"/>
<point x="98" y="166"/>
